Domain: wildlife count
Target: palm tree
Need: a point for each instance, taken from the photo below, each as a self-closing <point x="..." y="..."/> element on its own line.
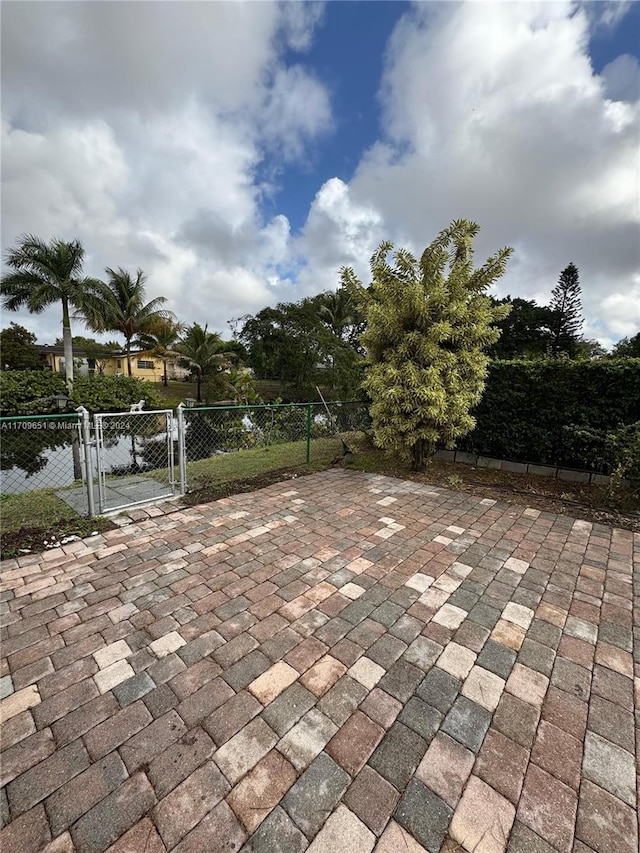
<point x="46" y="273"/>
<point x="200" y="351"/>
<point x="337" y="311"/>
<point x="161" y="339"/>
<point x="124" y="308"/>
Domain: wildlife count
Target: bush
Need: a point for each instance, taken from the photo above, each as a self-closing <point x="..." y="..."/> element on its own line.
<point x="31" y="392"/>
<point x="113" y="393"/>
<point x="556" y="412"/>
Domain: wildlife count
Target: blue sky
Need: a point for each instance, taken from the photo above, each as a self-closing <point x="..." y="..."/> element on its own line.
<point x="242" y="153"/>
<point x="347" y="56"/>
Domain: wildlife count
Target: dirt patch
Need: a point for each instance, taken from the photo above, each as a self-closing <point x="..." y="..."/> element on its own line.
<point x="34" y="540"/>
<point x="579" y="500"/>
<point x="207" y="492"/>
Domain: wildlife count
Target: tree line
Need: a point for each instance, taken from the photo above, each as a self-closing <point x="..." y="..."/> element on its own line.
<point x="417" y="340"/>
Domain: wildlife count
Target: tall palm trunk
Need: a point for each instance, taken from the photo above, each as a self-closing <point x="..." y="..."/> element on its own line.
<point x="165" y="378"/>
<point x="68" y="346"/>
<point x="128" y="352"/>
<point x="199" y="386"/>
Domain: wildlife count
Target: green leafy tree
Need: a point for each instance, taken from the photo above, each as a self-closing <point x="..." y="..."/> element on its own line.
<point x="18" y="350"/>
<point x="525" y="332"/>
<point x="627" y="348"/>
<point x="199" y="351"/>
<point x="45" y="274"/>
<point x="588" y="349"/>
<point x="297" y="343"/>
<point x="429" y="323"/>
<point x="123" y="308"/>
<point x="161" y="340"/>
<point x="567" y="312"/>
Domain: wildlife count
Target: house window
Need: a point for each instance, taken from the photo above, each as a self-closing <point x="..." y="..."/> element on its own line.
<point x="145" y="365"/>
<point x="119" y="363"/>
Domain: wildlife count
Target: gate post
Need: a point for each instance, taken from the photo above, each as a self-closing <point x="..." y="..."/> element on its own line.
<point x="86" y="444"/>
<point x="182" y="449"/>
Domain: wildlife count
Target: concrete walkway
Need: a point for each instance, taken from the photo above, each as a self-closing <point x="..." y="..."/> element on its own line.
<point x="341" y="663"/>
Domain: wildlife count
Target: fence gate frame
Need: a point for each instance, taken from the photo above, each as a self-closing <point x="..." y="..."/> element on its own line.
<point x="102" y="468"/>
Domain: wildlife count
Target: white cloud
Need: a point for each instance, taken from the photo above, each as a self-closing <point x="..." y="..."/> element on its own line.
<point x="340" y="231"/>
<point x="296" y="110"/>
<point x="139" y="129"/>
<point x="493" y="113"/>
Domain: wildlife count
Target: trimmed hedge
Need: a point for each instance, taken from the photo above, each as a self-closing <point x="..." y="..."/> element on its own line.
<point x="556" y="412"/>
<point x="31" y="392"/>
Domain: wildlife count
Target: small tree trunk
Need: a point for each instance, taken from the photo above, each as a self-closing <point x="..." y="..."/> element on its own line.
<point x="165" y="379"/>
<point x="198" y="386"/>
<point x="418" y="455"/>
<point x="68" y="346"/>
<point x="128" y="350"/>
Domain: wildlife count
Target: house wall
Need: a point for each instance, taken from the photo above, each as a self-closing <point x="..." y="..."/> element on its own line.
<point x="151" y="371"/>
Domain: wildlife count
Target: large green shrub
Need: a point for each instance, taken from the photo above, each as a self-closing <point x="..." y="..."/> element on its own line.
<point x="31" y="392"/>
<point x="556" y="411"/>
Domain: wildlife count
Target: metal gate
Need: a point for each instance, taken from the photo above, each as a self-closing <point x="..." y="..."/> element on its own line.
<point x="134" y="458"/>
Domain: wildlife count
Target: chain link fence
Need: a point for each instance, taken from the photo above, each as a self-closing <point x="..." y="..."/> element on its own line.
<point x="40" y="452"/>
<point x="121" y="451"/>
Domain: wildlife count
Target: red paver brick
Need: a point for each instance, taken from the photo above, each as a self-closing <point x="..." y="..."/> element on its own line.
<point x="152" y="740"/>
<point x="81" y="794"/>
<point x="28" y="833"/>
<point x="114" y="815"/>
<point x="141" y="838"/>
<point x="116" y="730"/>
<point x="24" y="755"/>
<point x="61" y="703"/>
<point x="548" y="807"/>
<point x="502" y="763"/>
<point x="219" y="823"/>
<point x="305" y="654"/>
<point x="604" y="822"/>
<point x="186" y="805"/>
<point x="262" y="789"/>
<point x="558" y="753"/>
<point x="46" y="777"/>
<point x="565" y="711"/>
<point x="372" y="799"/>
<point x="352" y="745"/>
<point x="194" y="677"/>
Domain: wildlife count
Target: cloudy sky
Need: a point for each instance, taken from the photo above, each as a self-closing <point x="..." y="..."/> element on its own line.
<point x="241" y="153"/>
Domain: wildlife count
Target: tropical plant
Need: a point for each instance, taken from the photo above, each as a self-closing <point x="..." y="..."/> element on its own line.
<point x="199" y="351"/>
<point x="161" y="339"/>
<point x="123" y="308"/>
<point x="338" y="311"/>
<point x="428" y="325"/>
<point x="47" y="273"/>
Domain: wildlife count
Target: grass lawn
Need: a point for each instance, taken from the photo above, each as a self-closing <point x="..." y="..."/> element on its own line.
<point x="30" y="518"/>
<point x="207" y="475"/>
<point x="177" y="392"/>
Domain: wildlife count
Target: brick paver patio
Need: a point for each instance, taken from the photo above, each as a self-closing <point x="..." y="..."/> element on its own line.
<point x="341" y="663"/>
